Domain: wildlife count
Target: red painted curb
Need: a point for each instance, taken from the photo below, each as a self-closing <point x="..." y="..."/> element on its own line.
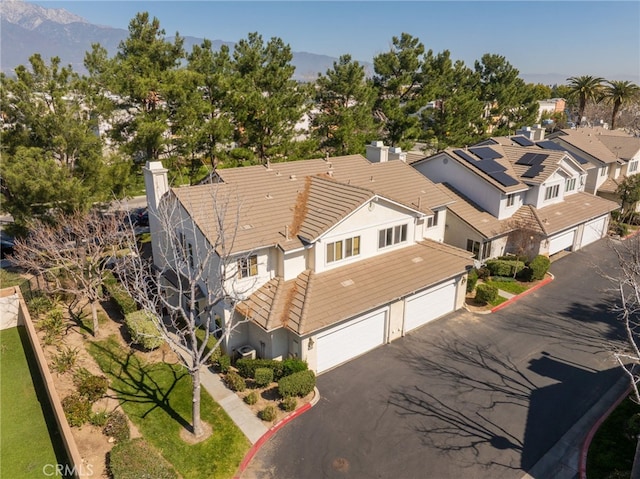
<point x="530" y="290"/>
<point x="267" y="435"/>
<point x="582" y="467"/>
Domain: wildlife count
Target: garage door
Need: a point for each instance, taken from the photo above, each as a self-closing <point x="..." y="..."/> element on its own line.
<point x="429" y="305"/>
<point x="562" y="241"/>
<point x="593" y="231"/>
<point x="352" y="339"/>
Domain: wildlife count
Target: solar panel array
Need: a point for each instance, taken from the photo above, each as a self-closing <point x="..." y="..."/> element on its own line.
<point x="484" y="160"/>
<point x="534" y="161"/>
<point x="550" y="145"/>
<point x="522" y="140"/>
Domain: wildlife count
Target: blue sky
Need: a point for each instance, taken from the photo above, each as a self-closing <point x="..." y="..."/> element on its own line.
<point x="571" y="38"/>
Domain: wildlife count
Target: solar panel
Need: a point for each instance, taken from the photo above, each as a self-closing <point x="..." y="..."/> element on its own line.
<point x="490" y="167"/>
<point x="550" y="145"/>
<point x="534" y="171"/>
<point x="504" y="179"/>
<point x="522" y="141"/>
<point x="485" y="153"/>
<point x="462" y="154"/>
<point x="531" y="159"/>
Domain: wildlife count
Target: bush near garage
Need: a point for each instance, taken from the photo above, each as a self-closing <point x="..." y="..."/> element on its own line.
<point x="538" y="267"/>
<point x="235" y="382"/>
<point x="297" y="384"/>
<point x="472" y="279"/>
<point x="247" y="367"/>
<point x="500" y="267"/>
<point x="486" y="293"/>
<point x="263" y="377"/>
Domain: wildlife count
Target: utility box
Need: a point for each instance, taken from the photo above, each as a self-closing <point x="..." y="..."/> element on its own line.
<point x="247" y="352"/>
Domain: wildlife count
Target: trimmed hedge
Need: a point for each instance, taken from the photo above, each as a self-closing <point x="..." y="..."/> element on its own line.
<point x="289" y="404"/>
<point x="539" y="267"/>
<point x="247" y="367"/>
<point x="499" y="267"/>
<point x="137" y="459"/>
<point x="263" y="377"/>
<point x="297" y="384"/>
<point x="486" y="293"/>
<point x="268" y="414"/>
<point x="120" y="295"/>
<point x="293" y="365"/>
<point x="235" y="382"/>
<point x="142" y="330"/>
<point x="472" y="279"/>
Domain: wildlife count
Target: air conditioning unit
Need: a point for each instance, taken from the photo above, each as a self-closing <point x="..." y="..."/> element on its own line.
<point x="247" y="352"/>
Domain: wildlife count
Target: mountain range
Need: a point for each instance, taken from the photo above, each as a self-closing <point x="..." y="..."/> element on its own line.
<point x="27" y="28"/>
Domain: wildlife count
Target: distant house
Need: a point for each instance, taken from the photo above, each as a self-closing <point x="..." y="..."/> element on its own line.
<point x="335" y="256"/>
<point x="513" y="196"/>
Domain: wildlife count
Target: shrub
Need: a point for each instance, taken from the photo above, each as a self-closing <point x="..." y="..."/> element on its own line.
<point x="499" y="267"/>
<point x="505" y="279"/>
<point x="472" y="279"/>
<point x="137" y="459"/>
<point x="120" y="295"/>
<point x="224" y="363"/>
<point x="483" y="272"/>
<point x="247" y="367"/>
<point x="77" y="409"/>
<point x="539" y="267"/>
<point x="235" y="382"/>
<point x="117" y="427"/>
<point x="99" y="418"/>
<point x="513" y="257"/>
<point x="39" y="303"/>
<point x="251" y="398"/>
<point x="65" y="360"/>
<point x="52" y="325"/>
<point x="289" y="404"/>
<point x="486" y="293"/>
<point x="263" y="377"/>
<point x="268" y="413"/>
<point x="93" y="387"/>
<point x="293" y="365"/>
<point x="142" y="329"/>
<point x="297" y="384"/>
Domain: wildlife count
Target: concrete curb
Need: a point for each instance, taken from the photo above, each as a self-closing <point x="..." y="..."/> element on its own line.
<point x="273" y="429"/>
<point x="582" y="466"/>
<point x="530" y="290"/>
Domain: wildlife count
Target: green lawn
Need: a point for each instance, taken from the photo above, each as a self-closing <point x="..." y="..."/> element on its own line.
<point x="512" y="287"/>
<point x="612" y="449"/>
<point x="157" y="398"/>
<point x="499" y="300"/>
<point x="28" y="432"/>
<point x="9" y="278"/>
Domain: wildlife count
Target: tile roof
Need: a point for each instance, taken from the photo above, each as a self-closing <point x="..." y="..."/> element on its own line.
<point x="586" y="140"/>
<point x="314" y="301"/>
<point x="547" y="167"/>
<point x="273" y="202"/>
<point x="623" y="147"/>
<point x="575" y="209"/>
<point x="609" y="186"/>
<point x="482" y="221"/>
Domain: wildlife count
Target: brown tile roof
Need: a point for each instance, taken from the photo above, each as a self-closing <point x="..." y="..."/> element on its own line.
<point x="623" y="147"/>
<point x="485" y="223"/>
<point x="269" y="204"/>
<point x="314" y="301"/>
<point x="609" y="186"/>
<point x="575" y="209"/>
<point x="548" y="166"/>
<point x="588" y="141"/>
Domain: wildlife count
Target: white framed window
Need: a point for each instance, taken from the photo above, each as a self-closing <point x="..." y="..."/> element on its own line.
<point x="433" y="220"/>
<point x="342" y="249"/>
<point x="248" y="266"/>
<point x="511" y="199"/>
<point x="391" y="236"/>
<point x="551" y="192"/>
<point x="633" y="166"/>
<point x="570" y="185"/>
<point x="603" y="171"/>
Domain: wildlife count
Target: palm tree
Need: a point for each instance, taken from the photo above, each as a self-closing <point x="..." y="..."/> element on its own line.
<point x="619" y="93"/>
<point x="584" y="88"/>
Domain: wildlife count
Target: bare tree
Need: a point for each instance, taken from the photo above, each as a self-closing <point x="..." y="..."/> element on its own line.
<point x="192" y="283"/>
<point x="72" y="254"/>
<point x="627" y="283"/>
<point x="524" y="237"/>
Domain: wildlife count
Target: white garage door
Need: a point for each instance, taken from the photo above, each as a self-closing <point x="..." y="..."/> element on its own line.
<point x="429" y="305"/>
<point x="351" y="339"/>
<point x="562" y="241"/>
<point x="593" y="231"/>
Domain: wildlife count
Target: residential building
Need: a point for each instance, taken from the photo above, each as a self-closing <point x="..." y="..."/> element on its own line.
<point x="332" y="257"/>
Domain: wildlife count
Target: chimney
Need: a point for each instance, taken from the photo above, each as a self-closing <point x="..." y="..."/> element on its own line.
<point x="377" y="152"/>
<point x="157" y="186"/>
<point x="396" y="153"/>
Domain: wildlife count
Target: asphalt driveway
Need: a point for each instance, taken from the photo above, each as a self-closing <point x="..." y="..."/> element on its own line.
<point x="473" y="396"/>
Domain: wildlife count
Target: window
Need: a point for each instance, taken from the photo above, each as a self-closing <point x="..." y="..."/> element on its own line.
<point x="433" y="220"/>
<point x="248" y="266"/>
<point x="391" y="236"/>
<point x="511" y="199"/>
<point x="343" y="249"/>
<point x="570" y="185"/>
<point x="474" y="247"/>
<point x="603" y="171"/>
<point x="551" y="192"/>
<point x="190" y="253"/>
<point x="633" y="166"/>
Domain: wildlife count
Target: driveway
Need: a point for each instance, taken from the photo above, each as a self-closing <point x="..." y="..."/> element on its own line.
<point x="467" y="396"/>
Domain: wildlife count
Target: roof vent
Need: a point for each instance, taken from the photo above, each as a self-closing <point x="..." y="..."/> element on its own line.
<point x="278" y="173"/>
<point x="268" y="196"/>
<point x="246" y="227"/>
<point x="292" y="177"/>
<point x="347" y="282"/>
<point x="371" y="179"/>
<point x="417" y="259"/>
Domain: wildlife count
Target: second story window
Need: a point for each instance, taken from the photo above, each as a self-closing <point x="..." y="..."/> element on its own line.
<point x="570" y="185"/>
<point x="433" y="220"/>
<point x="633" y="166"/>
<point x="603" y="171"/>
<point x="343" y="249"/>
<point x="391" y="236"/>
<point x="511" y="199"/>
<point x="551" y="192"/>
<point x="248" y="266"/>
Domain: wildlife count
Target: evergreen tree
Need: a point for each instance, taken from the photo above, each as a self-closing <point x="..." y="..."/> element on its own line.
<point x="344" y="98"/>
